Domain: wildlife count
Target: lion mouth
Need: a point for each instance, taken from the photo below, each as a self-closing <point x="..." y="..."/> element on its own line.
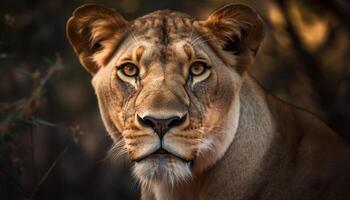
<point x="160" y="153"/>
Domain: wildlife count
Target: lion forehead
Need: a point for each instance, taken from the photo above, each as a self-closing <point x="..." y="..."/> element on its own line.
<point x="163" y="26"/>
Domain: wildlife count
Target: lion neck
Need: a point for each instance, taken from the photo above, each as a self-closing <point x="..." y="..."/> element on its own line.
<point x="245" y="161"/>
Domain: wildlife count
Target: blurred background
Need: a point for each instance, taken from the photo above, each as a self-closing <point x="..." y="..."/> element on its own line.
<point x="52" y="141"/>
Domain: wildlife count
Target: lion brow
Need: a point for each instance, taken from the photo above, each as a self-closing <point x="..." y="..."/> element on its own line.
<point x="188" y="51"/>
<point x="139" y="52"/>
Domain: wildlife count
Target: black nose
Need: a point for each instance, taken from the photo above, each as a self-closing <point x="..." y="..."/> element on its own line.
<point x="161" y="126"/>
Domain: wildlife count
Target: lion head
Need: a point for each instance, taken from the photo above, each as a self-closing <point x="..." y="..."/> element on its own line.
<point x="167" y="84"/>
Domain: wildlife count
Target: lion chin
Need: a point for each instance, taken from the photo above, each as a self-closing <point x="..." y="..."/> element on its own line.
<point x="162" y="167"/>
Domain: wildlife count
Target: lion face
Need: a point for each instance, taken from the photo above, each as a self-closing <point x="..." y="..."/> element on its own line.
<point x="167" y="85"/>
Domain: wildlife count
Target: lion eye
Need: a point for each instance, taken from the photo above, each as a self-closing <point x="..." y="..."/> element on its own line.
<point x="198" y="68"/>
<point x="129" y="69"/>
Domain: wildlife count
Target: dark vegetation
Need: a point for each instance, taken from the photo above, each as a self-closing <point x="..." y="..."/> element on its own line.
<point x="52" y="141"/>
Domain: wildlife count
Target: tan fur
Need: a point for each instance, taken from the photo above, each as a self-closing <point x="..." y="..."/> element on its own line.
<point x="237" y="142"/>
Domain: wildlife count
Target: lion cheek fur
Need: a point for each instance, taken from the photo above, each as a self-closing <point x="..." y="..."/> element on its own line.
<point x="213" y="146"/>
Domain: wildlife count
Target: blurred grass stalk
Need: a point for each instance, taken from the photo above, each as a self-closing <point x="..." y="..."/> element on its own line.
<point x="21" y="113"/>
<point x="24" y="109"/>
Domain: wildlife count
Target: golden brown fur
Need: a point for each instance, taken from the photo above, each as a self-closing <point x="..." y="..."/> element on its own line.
<point x="226" y="137"/>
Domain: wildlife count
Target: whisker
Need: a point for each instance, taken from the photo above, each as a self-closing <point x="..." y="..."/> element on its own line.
<point x="117" y="151"/>
<point x="210" y="38"/>
<point x="203" y="41"/>
<point x="133" y="35"/>
<point x="195" y="39"/>
<point x="191" y="35"/>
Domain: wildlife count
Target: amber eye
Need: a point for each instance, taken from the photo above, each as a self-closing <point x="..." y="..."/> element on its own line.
<point x="129" y="69"/>
<point x="198" y="68"/>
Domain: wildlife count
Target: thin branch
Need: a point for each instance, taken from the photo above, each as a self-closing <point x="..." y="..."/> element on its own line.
<point x="48" y="172"/>
<point x="25" y="108"/>
<point x="76" y="132"/>
<point x="14" y="182"/>
<point x="32" y="151"/>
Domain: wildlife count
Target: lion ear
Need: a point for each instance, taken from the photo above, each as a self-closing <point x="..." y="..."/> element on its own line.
<point x="238" y="28"/>
<point x="91" y="30"/>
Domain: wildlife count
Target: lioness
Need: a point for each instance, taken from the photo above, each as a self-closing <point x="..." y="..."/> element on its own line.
<point x="175" y="95"/>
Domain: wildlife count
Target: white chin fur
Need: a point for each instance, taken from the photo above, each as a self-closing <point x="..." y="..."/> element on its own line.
<point x="162" y="170"/>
